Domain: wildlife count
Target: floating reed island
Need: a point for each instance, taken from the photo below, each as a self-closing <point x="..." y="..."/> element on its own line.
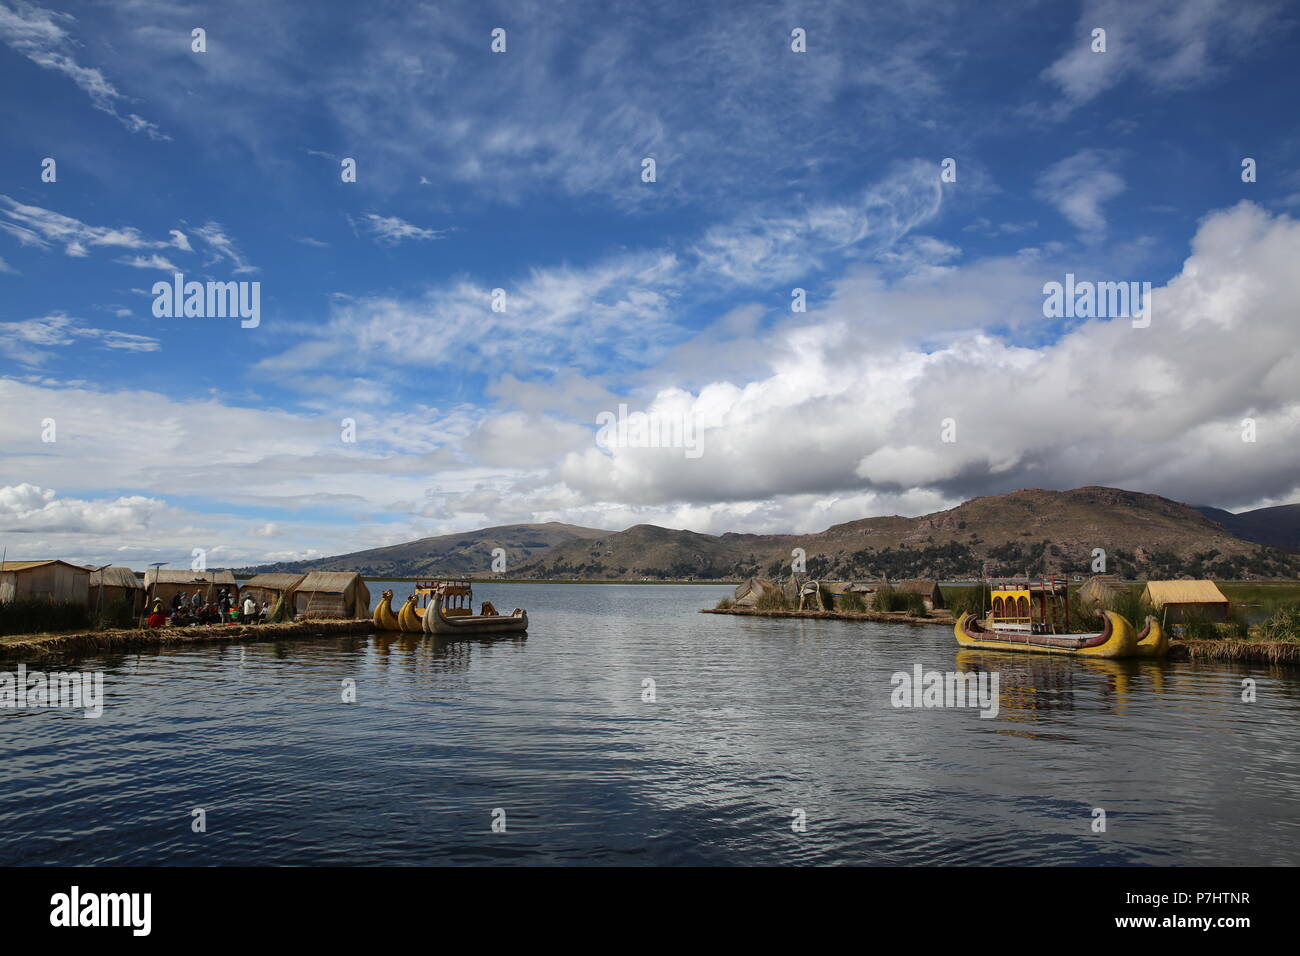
<point x="1181" y="620"/>
<point x="144" y="638"/>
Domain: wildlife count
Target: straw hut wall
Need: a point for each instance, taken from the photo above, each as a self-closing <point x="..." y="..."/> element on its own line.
<point x="332" y="594"/>
<point x="267" y="588"/>
<point x="110" y="585"/>
<point x="929" y="590"/>
<point x="1182" y="599"/>
<point x="51" y="580"/>
<point x="164" y="585"/>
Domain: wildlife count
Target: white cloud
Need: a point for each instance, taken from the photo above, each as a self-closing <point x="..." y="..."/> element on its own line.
<point x="223" y="247"/>
<point x="838" y="423"/>
<point x="1156" y="409"/>
<point x="39" y="35"/>
<point x="1168" y="44"/>
<point x="1079" y="185"/>
<point x="148" y="262"/>
<point x="42" y="228"/>
<point x="30" y="340"/>
<point x="29" y="508"/>
<point x="391" y="230"/>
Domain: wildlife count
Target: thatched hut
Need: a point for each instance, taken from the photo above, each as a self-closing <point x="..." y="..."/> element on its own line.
<point x="269" y="588"/>
<point x="110" y="585"/>
<point x="930" y="592"/>
<point x="1179" y="600"/>
<point x="1101" y="590"/>
<point x="332" y="594"/>
<point x="49" y="580"/>
<point x="749" y="592"/>
<point x="161" y="585"/>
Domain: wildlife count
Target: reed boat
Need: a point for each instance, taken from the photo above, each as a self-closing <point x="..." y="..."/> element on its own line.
<point x="384" y="617"/>
<point x="1116" y="639"/>
<point x="1153" y="641"/>
<point x="438" y="621"/>
<point x="409" y="618"/>
<point x="450" y="612"/>
<point x="1034" y="616"/>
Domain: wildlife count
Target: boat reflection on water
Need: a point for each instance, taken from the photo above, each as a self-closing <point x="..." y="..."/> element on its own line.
<point x="425" y="652"/>
<point x="1040" y="687"/>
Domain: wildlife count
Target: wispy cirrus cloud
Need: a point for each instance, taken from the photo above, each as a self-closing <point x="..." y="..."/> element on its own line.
<point x="148" y="262"/>
<point x="221" y="246"/>
<point x="44" y="228"/>
<point x="41" y="36"/>
<point x="1168" y="44"/>
<point x="392" y="230"/>
<point x="30" y="341"/>
<point x="624" y="309"/>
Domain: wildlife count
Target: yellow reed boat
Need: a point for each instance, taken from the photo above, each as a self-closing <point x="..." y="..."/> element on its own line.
<point x="384" y="617"/>
<point x="1034" y="617"/>
<point x="411" y="617"/>
<point x="445" y="608"/>
<point x="1116" y="639"/>
<point x="1153" y="641"/>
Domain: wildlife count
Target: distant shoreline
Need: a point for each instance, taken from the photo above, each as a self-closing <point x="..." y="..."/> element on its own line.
<point x="444" y="577"/>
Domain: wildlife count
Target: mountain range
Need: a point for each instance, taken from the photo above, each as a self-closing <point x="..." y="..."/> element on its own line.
<point x="1031" y="531"/>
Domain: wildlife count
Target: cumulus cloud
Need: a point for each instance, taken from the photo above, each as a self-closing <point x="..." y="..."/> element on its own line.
<point x="837" y="424"/>
<point x="29" y="508"/>
<point x="1157" y="409"/>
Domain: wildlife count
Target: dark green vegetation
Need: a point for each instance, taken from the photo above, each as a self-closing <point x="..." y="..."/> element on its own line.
<point x="39" y="617"/>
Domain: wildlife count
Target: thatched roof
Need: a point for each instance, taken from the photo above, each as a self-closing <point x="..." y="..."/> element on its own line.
<point x="28" y="565"/>
<point x="756" y="586"/>
<point x="274" y="582"/>
<point x="115" y="578"/>
<point x="153" y="576"/>
<point x="1160" y="593"/>
<point x="1101" y="588"/>
<point x="329" y="582"/>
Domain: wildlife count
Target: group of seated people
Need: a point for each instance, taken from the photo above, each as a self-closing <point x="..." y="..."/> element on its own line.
<point x="187" y="610"/>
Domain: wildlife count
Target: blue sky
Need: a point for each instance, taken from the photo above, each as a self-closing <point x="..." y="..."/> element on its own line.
<point x="522" y="171"/>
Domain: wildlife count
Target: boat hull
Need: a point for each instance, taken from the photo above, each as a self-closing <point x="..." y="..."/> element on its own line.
<point x="468" y="625"/>
<point x="384" y="617"/>
<point x="1153" y="641"/>
<point x="409" y="617"/>
<point x="1117" y="639"/>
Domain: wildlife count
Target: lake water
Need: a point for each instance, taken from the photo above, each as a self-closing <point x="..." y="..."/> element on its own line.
<point x="753" y="720"/>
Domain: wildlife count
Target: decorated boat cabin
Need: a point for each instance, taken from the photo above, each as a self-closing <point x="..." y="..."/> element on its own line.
<point x="1031" y="607"/>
